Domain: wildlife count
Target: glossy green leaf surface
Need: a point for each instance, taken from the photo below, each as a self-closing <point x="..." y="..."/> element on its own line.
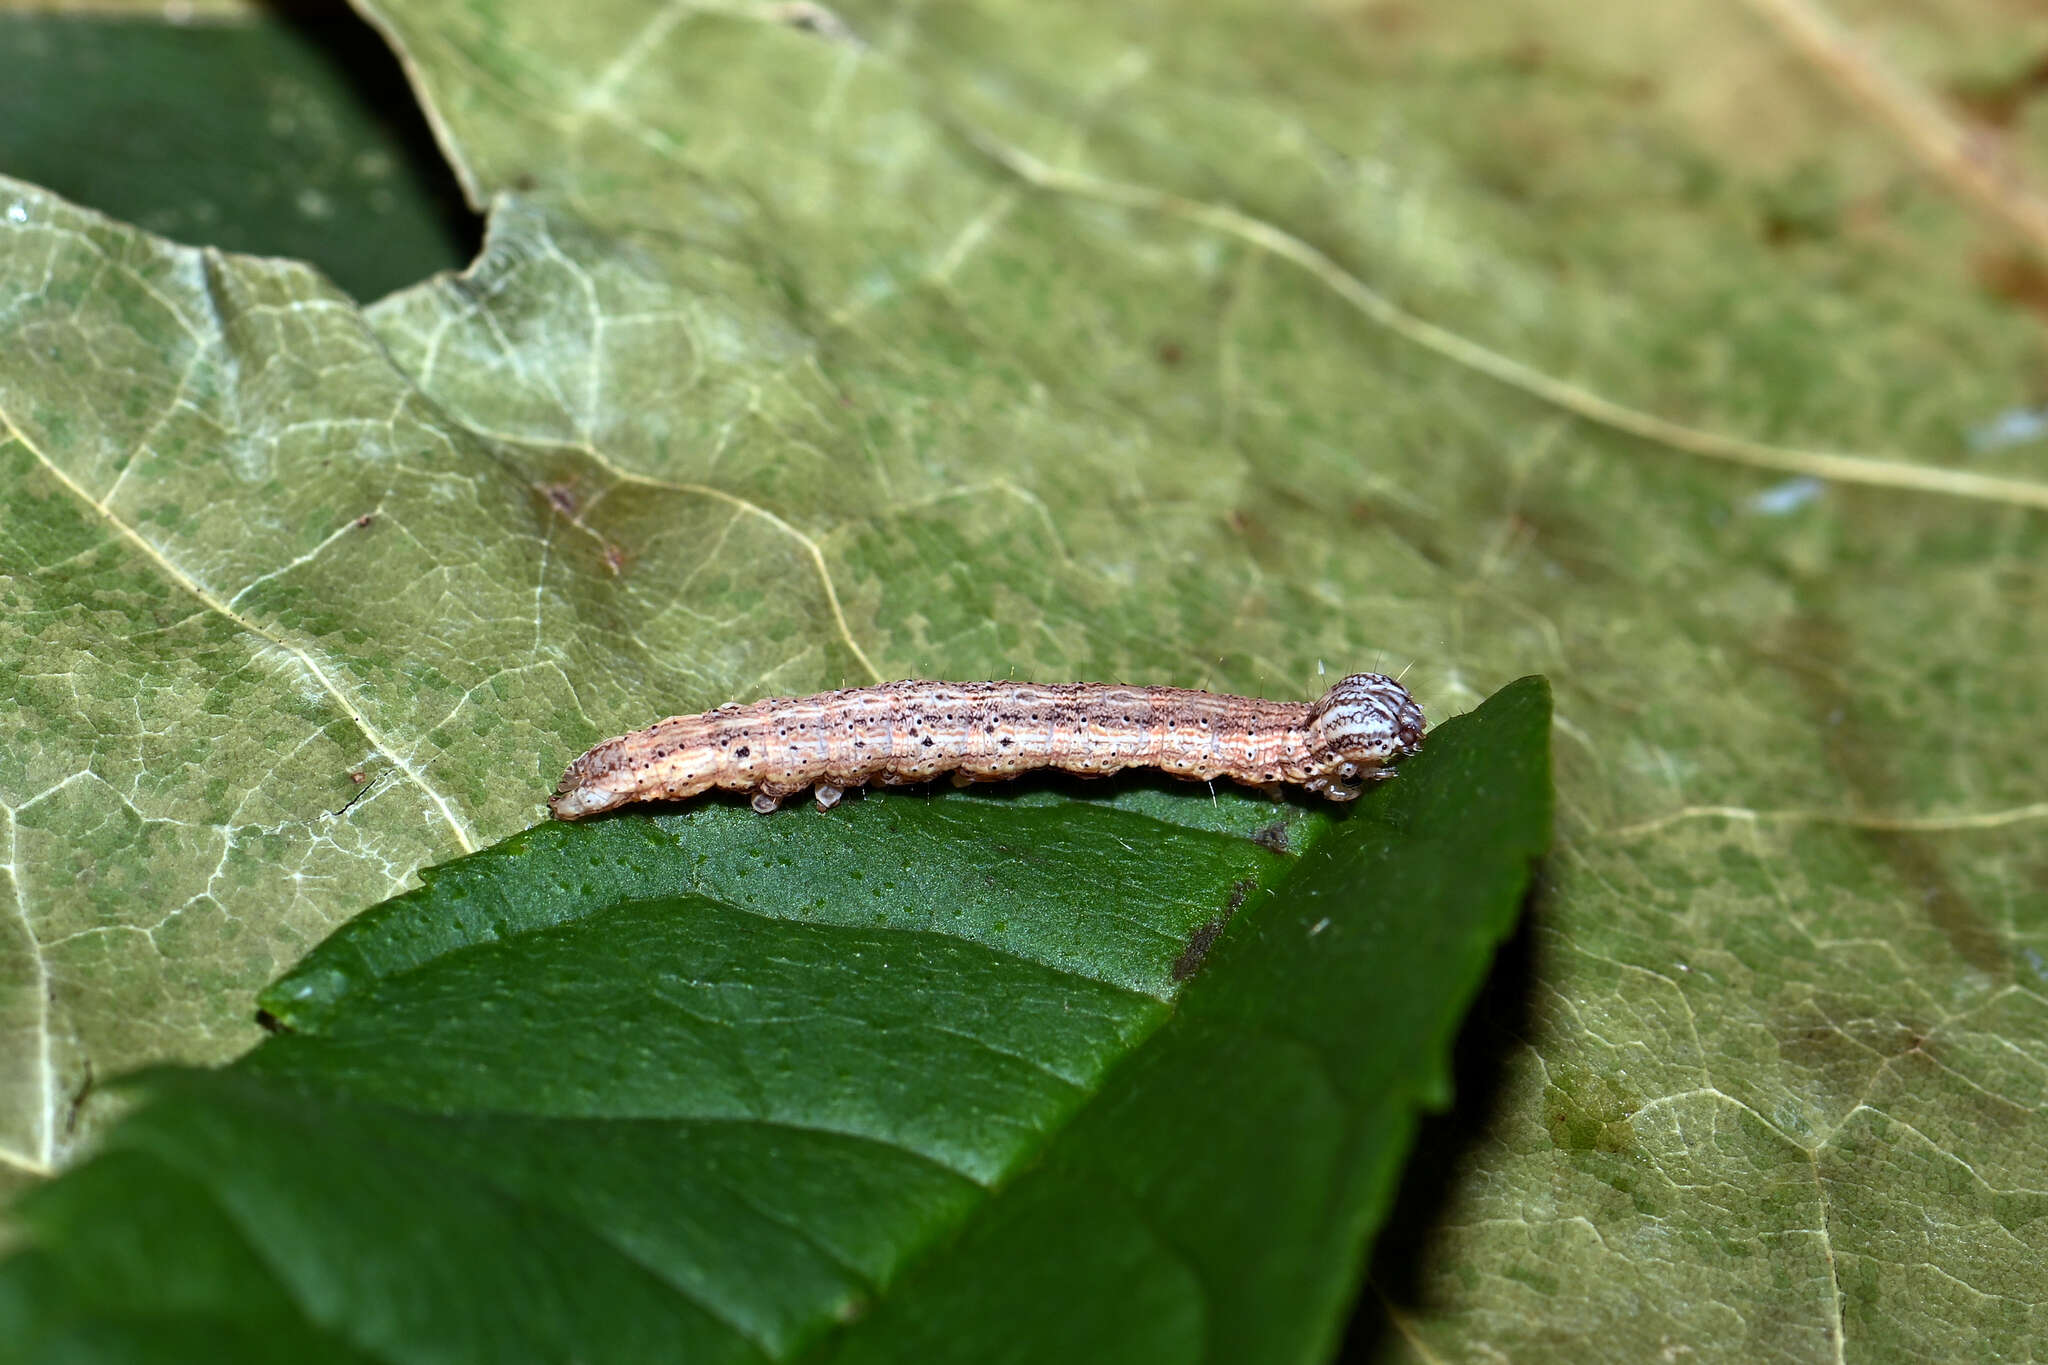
<point x="874" y="1083"/>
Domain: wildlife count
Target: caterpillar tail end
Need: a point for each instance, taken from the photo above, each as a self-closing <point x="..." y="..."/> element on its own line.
<point x="580" y="793"/>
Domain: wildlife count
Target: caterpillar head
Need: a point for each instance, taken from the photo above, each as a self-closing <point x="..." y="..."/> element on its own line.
<point x="1359" y="727"/>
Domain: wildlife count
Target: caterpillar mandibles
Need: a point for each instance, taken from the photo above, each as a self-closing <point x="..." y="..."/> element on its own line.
<point x="905" y="732"/>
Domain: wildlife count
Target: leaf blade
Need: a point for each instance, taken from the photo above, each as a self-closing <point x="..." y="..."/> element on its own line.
<point x="735" y="1127"/>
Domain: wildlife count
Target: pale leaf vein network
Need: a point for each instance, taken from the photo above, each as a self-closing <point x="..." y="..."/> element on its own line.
<point x="456" y="824"/>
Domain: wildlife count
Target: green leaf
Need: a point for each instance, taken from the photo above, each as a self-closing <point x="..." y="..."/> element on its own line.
<point x="1068" y="341"/>
<point x="883" y="1082"/>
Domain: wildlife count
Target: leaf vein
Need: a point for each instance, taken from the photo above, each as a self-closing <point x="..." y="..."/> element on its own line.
<point x="212" y="601"/>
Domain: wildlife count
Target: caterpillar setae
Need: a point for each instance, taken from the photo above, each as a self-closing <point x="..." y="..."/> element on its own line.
<point x="904" y="732"/>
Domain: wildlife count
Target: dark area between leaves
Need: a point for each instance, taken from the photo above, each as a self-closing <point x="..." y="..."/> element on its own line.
<point x="291" y="133"/>
<point x="1499" y="1021"/>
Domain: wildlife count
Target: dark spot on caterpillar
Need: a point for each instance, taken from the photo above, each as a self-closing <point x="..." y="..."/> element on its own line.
<point x="927" y="741"/>
<point x="743" y="751"/>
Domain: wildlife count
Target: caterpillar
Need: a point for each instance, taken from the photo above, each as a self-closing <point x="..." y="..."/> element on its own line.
<point x="905" y="732"/>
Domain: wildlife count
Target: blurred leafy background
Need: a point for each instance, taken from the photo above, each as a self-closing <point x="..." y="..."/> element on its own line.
<point x="1208" y="344"/>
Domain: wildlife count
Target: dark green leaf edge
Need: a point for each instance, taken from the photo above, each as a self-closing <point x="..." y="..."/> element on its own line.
<point x="1089" y="1158"/>
<point x="762" y="864"/>
<point x="1268" y="1255"/>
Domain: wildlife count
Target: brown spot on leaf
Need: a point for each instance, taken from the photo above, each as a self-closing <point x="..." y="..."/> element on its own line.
<point x="1205" y="935"/>
<point x="1190" y="960"/>
<point x="1273" y="837"/>
<point x="1528" y="56"/>
<point x="73" y="1110"/>
<point x="1387" y="18"/>
<point x="1998" y="104"/>
<point x="2016" y="277"/>
<point x="806" y="16"/>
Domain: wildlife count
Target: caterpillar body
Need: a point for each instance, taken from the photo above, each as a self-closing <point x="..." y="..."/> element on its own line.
<point x="905" y="732"/>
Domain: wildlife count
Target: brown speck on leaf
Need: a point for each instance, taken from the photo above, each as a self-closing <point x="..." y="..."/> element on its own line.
<point x="810" y="17"/>
<point x="1250" y="526"/>
<point x="1170" y="353"/>
<point x="561" y="497"/>
<point x="1387" y="19"/>
<point x="79" y="1096"/>
<point x="1204" y="938"/>
<point x="365" y="519"/>
<point x="1999" y="104"/>
<point x="1273" y="837"/>
<point x="2017" y="278"/>
<point x="359" y="778"/>
<point x="615" y="560"/>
